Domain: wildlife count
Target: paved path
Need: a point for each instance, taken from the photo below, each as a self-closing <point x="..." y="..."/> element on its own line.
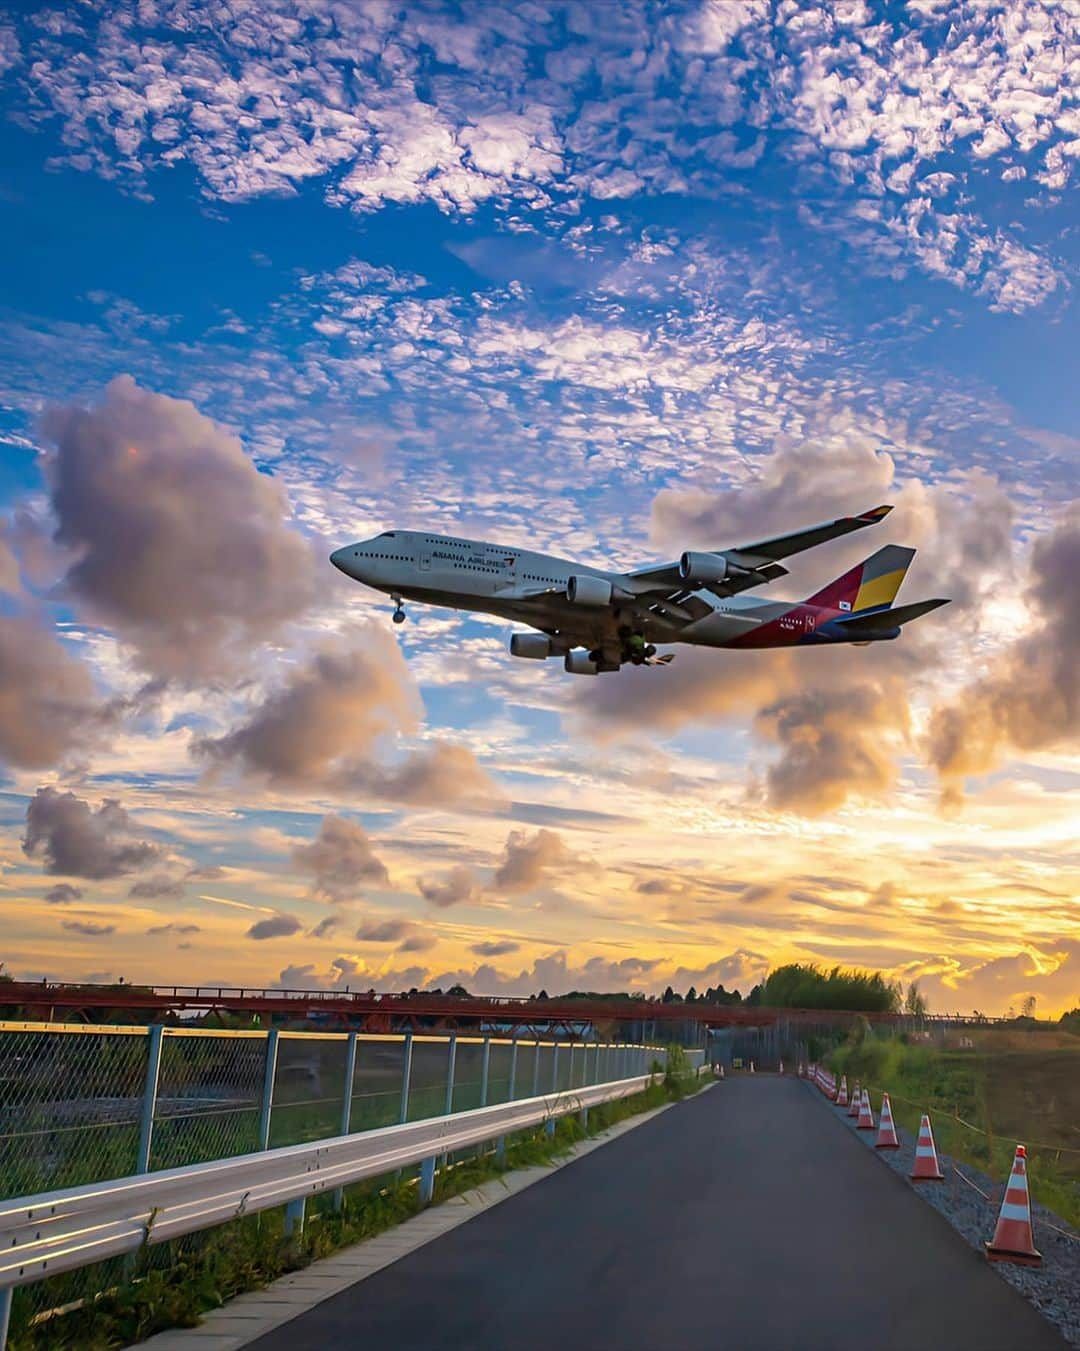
<point x="745" y="1219"/>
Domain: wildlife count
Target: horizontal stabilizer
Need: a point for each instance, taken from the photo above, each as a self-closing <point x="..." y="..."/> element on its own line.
<point x="878" y="621"/>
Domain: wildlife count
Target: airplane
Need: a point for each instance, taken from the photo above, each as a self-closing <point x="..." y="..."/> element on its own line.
<point x="599" y="620"/>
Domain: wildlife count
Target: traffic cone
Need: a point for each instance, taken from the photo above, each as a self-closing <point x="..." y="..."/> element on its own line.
<point x="927" y="1168"/>
<point x="1013" y="1240"/>
<point x="721" y="1071"/>
<point x="886" y="1136"/>
<point x="751" y="1067"/>
<point x="866" y="1115"/>
<point x="781" y="1067"/>
<point x="853" y="1106"/>
<point x="841" y="1097"/>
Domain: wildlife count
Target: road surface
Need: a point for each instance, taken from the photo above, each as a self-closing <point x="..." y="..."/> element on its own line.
<point x="746" y="1219"/>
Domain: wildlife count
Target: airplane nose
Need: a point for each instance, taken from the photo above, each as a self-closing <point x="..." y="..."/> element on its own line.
<point x="338" y="558"/>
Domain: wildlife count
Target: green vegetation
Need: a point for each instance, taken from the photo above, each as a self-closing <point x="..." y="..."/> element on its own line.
<point x="809" y="987"/>
<point x="174" y="1284"/>
<point x="983" y="1101"/>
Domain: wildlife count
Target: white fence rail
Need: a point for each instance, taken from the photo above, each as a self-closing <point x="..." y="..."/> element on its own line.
<point x="60" y="1231"/>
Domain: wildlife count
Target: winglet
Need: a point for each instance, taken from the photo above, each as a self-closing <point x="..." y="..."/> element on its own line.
<point x="876" y="513"/>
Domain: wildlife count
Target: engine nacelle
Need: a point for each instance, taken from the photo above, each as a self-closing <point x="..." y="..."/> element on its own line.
<point x="535" y="646"/>
<point x="579" y="663"/>
<point x="588" y="591"/>
<point x="704" y="567"/>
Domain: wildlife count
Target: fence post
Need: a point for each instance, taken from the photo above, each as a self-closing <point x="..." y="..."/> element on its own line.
<point x="485" y="1070"/>
<point x="536" y="1068"/>
<point x="406" y="1080"/>
<point x="550" y="1124"/>
<point x="346" y="1112"/>
<point x="294" y="1216"/>
<point x="451" y="1062"/>
<point x="570" y="1071"/>
<point x="149" y="1102"/>
<point x="511" y="1089"/>
<point x="269" y="1076"/>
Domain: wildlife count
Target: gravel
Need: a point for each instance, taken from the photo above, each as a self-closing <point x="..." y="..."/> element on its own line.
<point x="1054" y="1288"/>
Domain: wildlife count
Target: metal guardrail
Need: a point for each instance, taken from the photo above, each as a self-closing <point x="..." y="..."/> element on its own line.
<point x="60" y="1231"/>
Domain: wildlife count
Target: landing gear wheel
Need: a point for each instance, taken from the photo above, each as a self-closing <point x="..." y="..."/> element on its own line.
<point x="399" y="614"/>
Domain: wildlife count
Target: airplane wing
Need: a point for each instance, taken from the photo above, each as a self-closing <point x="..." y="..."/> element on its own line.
<point x="758" y="562"/>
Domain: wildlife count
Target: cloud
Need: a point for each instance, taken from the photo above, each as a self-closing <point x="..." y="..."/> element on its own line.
<point x="527" y="858"/>
<point x="418" y="942"/>
<point x="324" y="718"/>
<point x="430" y="777"/>
<point x="175" y="928"/>
<point x="181" y="546"/>
<point x="384" y="931"/>
<point x="835" y="743"/>
<point x="1030" y="698"/>
<point x="88" y="928"/>
<point x="325" y="927"/>
<point x="48" y="707"/>
<point x="76" y="840"/>
<point x="276" y="926"/>
<point x="496" y="949"/>
<point x="340" y="859"/>
<point x="451" y="888"/>
<point x="1050" y="971"/>
<point x="63" y="894"/>
<point x="157" y="887"/>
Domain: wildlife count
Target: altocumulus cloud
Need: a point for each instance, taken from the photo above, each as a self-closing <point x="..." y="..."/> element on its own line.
<point x="179" y="543"/>
<point x="527" y="859"/>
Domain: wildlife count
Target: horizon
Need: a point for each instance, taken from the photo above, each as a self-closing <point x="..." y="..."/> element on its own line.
<point x="609" y="287"/>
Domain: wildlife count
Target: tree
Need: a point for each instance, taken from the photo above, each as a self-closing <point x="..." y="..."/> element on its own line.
<point x="691" y="995"/>
<point x="1027" y="1008"/>
<point x="915" y="1002"/>
<point x="669" y="997"/>
<point x="459" y="991"/>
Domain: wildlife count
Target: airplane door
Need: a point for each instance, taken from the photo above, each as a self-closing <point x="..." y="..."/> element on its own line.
<point x="425" y="560"/>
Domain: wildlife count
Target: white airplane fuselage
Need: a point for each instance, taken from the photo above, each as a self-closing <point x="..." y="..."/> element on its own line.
<point x="531" y="588"/>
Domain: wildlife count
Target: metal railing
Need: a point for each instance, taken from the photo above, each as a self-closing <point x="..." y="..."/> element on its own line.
<point x="86" y="1105"/>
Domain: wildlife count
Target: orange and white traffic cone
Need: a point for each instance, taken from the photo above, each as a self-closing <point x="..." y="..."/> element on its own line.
<point x="866" y="1114"/>
<point x="853" y="1106"/>
<point x="781" y="1067"/>
<point x="1013" y="1240"/>
<point x="751" y="1067"/>
<point x="886" y="1136"/>
<point x="841" y="1097"/>
<point x="927" y="1168"/>
<point x="721" y="1071"/>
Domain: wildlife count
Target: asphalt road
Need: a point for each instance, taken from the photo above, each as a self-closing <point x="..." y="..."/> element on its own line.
<point x="744" y="1219"/>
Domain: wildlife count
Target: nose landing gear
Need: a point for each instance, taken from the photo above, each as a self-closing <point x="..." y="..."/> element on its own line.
<point x="399" y="613"/>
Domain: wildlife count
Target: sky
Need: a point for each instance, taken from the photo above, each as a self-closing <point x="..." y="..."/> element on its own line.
<point x="608" y="281"/>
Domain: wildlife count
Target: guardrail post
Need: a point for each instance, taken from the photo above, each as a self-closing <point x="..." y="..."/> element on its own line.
<point x="550" y="1124"/>
<point x="149" y="1102"/>
<point x="346" y="1110"/>
<point x="5" y="1313"/>
<point x="269" y="1076"/>
<point x="294" y="1217"/>
<point x="427" y="1180"/>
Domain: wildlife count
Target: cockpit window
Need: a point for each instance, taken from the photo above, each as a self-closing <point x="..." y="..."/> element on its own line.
<point x="388" y="534"/>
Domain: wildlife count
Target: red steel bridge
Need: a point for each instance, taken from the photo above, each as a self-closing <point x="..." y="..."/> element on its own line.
<point x="370" y="1011"/>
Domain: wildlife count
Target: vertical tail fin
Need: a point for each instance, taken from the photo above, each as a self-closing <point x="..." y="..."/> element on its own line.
<point x="870" y="585"/>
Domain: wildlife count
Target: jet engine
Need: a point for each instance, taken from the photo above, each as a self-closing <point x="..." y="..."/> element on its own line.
<point x="704" y="567"/>
<point x="536" y="646"/>
<point x="588" y="591"/>
<point x="579" y="663"/>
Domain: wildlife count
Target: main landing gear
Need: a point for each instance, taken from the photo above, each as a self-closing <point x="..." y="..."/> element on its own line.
<point x="399" y="613"/>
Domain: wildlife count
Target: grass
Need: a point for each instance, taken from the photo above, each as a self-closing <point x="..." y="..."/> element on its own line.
<point x="173" y="1284"/>
<point x="984" y="1101"/>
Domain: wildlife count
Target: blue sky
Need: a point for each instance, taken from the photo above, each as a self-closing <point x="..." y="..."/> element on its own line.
<point x="609" y="281"/>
